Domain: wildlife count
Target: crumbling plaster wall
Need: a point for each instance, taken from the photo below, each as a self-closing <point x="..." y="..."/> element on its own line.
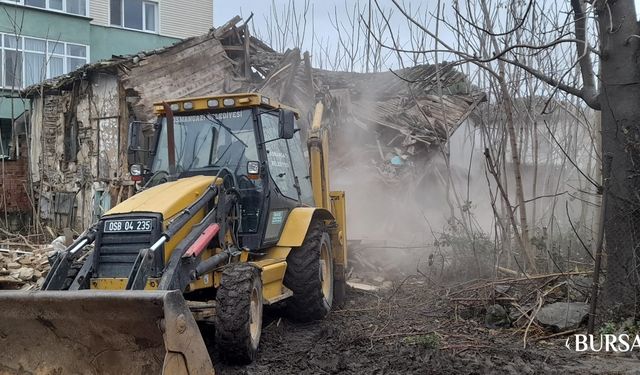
<point x="94" y="176"/>
<point x="76" y="148"/>
<point x="197" y="67"/>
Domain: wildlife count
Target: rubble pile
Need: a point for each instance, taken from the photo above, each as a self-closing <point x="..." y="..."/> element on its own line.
<point x="398" y="126"/>
<point x="542" y="303"/>
<point x="538" y="305"/>
<point x="25" y="267"/>
<point x="378" y="265"/>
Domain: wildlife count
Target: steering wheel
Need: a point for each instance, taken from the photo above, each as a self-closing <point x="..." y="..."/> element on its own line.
<point x="229" y="181"/>
<point x="230" y="187"/>
<point x="245" y="182"/>
<point x="159" y="177"/>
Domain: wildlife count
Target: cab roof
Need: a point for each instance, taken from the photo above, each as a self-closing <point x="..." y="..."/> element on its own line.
<point x="220" y="102"/>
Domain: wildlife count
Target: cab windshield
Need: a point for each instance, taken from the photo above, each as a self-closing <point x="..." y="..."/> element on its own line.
<point x="208" y="141"/>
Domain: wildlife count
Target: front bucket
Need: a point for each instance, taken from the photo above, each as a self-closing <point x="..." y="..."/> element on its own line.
<point x="99" y="332"/>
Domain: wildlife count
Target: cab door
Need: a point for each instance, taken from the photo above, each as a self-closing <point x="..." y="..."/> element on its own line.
<point x="288" y="175"/>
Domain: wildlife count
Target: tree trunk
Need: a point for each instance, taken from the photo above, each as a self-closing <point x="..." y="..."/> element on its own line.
<point x="620" y="104"/>
<point x="529" y="258"/>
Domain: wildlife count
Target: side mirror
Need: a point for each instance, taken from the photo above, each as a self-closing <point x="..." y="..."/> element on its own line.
<point x="135" y="136"/>
<point x="253" y="169"/>
<point x="136" y="152"/>
<point x="286" y="124"/>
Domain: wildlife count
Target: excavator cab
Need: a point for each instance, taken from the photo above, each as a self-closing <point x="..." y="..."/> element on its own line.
<point x="257" y="148"/>
<point x="233" y="212"/>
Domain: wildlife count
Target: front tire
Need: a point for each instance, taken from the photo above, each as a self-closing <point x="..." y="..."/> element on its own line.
<point x="238" y="318"/>
<point x="310" y="276"/>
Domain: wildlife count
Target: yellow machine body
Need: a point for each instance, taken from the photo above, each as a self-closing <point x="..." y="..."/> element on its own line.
<point x="167" y="199"/>
<point x="119" y="331"/>
<point x="170" y="198"/>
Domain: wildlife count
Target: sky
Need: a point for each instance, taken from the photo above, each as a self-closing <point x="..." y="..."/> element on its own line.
<point x="323" y="28"/>
<point x="225" y="10"/>
<point x="323" y="13"/>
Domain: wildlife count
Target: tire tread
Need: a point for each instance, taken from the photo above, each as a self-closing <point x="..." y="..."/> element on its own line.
<point x="232" y="318"/>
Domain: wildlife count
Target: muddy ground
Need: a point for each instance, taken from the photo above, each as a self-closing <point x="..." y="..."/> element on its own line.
<point x="413" y="328"/>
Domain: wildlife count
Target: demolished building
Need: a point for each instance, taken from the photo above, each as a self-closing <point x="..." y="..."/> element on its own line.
<point x="76" y="142"/>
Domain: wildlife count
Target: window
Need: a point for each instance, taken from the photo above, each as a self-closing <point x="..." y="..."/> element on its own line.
<point x="78" y="7"/>
<point x="77" y="56"/>
<point x="56" y="4"/>
<point x="280" y="167"/>
<point x="12" y="58"/>
<point x="70" y="137"/>
<point x="27" y="61"/>
<point x="301" y="168"/>
<point x="134" y="14"/>
<point x="201" y="142"/>
<point x="5" y="139"/>
<point x="36" y="3"/>
<point x="75" y="6"/>
<point x="35" y="53"/>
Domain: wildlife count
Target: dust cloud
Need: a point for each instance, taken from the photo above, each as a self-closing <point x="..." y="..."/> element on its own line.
<point x="397" y="211"/>
<point x="407" y="204"/>
<point x="403" y="213"/>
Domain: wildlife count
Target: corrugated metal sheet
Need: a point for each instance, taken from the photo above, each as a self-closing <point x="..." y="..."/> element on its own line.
<point x="183" y="19"/>
<point x="99" y="11"/>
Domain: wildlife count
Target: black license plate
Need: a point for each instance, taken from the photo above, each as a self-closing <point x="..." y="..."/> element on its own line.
<point x="136" y="225"/>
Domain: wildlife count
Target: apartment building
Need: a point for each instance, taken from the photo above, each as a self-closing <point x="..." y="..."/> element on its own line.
<point x="42" y="39"/>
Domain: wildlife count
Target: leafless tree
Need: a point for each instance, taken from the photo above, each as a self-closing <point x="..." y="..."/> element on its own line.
<point x="16" y="17"/>
<point x="605" y="38"/>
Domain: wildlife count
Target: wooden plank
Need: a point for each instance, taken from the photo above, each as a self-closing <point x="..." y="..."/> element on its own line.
<point x="220" y="31"/>
<point x="234" y="48"/>
<point x="247" y="51"/>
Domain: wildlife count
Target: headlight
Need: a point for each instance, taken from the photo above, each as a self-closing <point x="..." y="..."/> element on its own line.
<point x="212" y="103"/>
<point x="229" y="102"/>
<point x="187" y="106"/>
<point x="175" y="107"/>
<point x="135" y="170"/>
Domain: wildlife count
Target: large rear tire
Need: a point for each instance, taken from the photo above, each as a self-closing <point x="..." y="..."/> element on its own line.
<point x="310" y="276"/>
<point x="238" y="318"/>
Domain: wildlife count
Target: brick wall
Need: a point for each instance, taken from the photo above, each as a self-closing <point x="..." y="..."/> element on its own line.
<point x="14" y="183"/>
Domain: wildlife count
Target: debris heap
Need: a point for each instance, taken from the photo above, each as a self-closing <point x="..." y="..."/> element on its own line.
<point x="398" y="117"/>
<point x="23" y="267"/>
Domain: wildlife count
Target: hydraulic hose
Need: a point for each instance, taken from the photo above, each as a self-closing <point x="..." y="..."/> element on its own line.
<point x="211" y="263"/>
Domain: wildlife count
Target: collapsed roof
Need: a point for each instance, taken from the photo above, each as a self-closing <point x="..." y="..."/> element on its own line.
<point x="422" y="103"/>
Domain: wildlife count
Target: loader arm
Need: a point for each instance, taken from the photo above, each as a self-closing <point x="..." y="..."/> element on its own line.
<point x="318" y="144"/>
<point x="332" y="201"/>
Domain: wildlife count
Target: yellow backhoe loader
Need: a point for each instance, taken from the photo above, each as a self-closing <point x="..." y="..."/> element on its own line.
<point x="230" y="217"/>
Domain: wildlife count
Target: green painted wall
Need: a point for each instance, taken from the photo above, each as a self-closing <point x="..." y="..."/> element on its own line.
<point x="108" y="41"/>
<point x="5" y="106"/>
<point x="103" y="42"/>
<point x="44" y="24"/>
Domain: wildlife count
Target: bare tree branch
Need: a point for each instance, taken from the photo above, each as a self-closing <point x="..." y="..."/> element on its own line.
<point x="588" y="92"/>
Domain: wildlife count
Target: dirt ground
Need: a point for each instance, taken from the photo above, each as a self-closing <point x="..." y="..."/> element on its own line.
<point x="412" y="328"/>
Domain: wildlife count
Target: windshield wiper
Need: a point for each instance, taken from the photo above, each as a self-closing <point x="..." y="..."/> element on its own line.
<point x="214" y="164"/>
<point x="219" y="122"/>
